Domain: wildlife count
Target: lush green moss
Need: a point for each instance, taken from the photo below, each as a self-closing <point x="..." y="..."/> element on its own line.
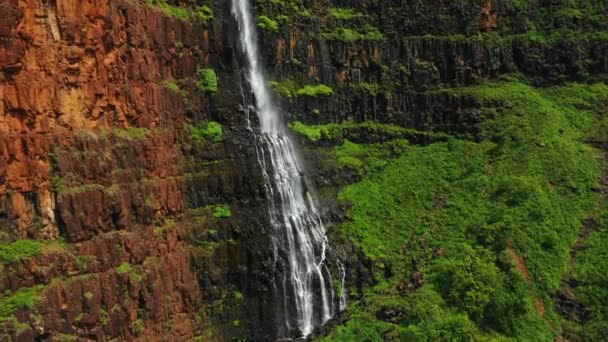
<point x="201" y="13"/>
<point x="208" y="130"/>
<point x="344" y="13"/>
<point x="367" y="131"/>
<point x="315" y="90"/>
<point x="131" y="132"/>
<point x="172" y="85"/>
<point x="371" y="89"/>
<point x="222" y="212"/>
<point x="528" y="185"/>
<point x="268" y="24"/>
<point x="207" y="81"/>
<point x="170" y="10"/>
<point x="133" y="272"/>
<point x="286" y="88"/>
<point x="139" y="327"/>
<point x="24" y="298"/>
<point x="348" y="35"/>
<point x="20" y="250"/>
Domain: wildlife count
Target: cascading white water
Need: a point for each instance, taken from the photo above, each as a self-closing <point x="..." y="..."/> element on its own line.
<point x="299" y="239"/>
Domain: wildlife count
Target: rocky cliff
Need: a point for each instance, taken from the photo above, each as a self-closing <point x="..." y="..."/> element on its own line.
<point x="131" y="199"/>
<point x="101" y="184"/>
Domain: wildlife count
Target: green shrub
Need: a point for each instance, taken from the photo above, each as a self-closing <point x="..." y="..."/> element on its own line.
<point x="203" y="13"/>
<point x="344" y="13"/>
<point x="311" y="132"/>
<point x="371" y="89"/>
<point x="528" y="185"/>
<point x="208" y="130"/>
<point x="286" y="88"/>
<point x="172" y="86"/>
<point x="222" y="212"/>
<point x="268" y="24"/>
<point x="20" y="250"/>
<point x="178" y="12"/>
<point x="139" y="327"/>
<point x="207" y="81"/>
<point x="347" y="35"/>
<point x="24" y="298"/>
<point x="127" y="268"/>
<point x="130" y="133"/>
<point x="315" y="90"/>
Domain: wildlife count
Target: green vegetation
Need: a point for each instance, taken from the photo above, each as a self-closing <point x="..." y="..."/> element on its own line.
<point x="347" y="35"/>
<point x="207" y="80"/>
<point x="139" y="327"/>
<point x="268" y="24"/>
<point x="343" y="13"/>
<point x="20" y="250"/>
<point x="222" y="212"/>
<point x="315" y="90"/>
<point x="170" y="10"/>
<point x="371" y="89"/>
<point x="133" y="272"/>
<point x="172" y="86"/>
<point x="286" y="88"/>
<point x="360" y="131"/>
<point x="456" y="213"/>
<point x="201" y="13"/>
<point x="131" y="133"/>
<point x="24" y="298"/>
<point x="208" y="130"/>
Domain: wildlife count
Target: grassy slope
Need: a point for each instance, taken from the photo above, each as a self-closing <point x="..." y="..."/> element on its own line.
<point x="528" y="185"/>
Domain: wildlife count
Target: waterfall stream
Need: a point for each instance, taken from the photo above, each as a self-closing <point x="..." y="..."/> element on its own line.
<point x="300" y="245"/>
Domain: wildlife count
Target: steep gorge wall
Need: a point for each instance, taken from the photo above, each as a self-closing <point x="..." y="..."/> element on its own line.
<point x="96" y="161"/>
<point x="96" y="165"/>
<point x="392" y="62"/>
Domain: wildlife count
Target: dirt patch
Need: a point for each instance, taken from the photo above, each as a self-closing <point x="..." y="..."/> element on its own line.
<point x="540" y="307"/>
<point x="519" y="263"/>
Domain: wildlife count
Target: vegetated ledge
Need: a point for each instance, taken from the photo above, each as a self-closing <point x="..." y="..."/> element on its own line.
<point x="362" y="132"/>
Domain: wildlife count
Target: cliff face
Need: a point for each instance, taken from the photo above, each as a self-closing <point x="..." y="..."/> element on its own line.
<point x="123" y="217"/>
<point x="97" y="167"/>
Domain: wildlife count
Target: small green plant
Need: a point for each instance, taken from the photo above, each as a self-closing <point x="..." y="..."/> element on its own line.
<point x="268" y="24"/>
<point x="209" y="130"/>
<point x="127" y="268"/>
<point x="172" y="86"/>
<point x="20" y="250"/>
<point x="103" y="316"/>
<point x="178" y="12"/>
<point x="371" y="89"/>
<point x="286" y="88"/>
<point x="131" y="133"/>
<point x="311" y="132"/>
<point x="203" y="13"/>
<point x="139" y="327"/>
<point x="25" y="298"/>
<point x="207" y="81"/>
<point x="56" y="184"/>
<point x="347" y="35"/>
<point x="88" y="295"/>
<point x="222" y="212"/>
<point x="344" y="13"/>
<point x="315" y="90"/>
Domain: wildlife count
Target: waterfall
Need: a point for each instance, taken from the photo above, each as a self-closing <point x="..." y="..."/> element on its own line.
<point x="298" y="233"/>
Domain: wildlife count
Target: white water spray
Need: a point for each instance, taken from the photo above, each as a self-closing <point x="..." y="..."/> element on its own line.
<point x="299" y="239"/>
